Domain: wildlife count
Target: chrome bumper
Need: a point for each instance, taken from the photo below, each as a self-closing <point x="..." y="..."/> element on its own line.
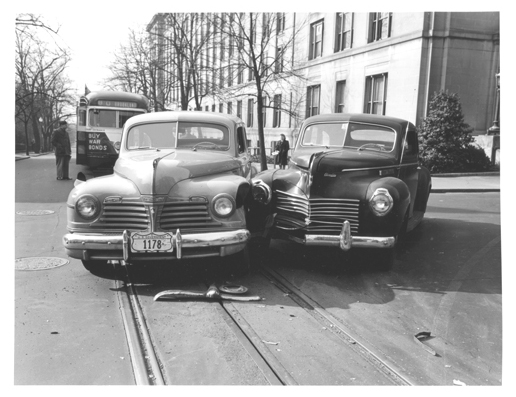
<point x="74" y="242"/>
<point x="345" y="240"/>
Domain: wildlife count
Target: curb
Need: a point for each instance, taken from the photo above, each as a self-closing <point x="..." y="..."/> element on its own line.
<point x="459" y="190"/>
<point x="23" y="157"/>
<point x="456" y="174"/>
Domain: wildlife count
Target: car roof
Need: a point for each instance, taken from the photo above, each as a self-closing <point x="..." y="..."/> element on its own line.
<point x="192" y="116"/>
<point x="389" y="121"/>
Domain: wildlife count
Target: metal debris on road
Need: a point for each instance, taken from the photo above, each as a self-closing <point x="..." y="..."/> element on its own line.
<point x="420" y="337"/>
<point x="458" y="382"/>
<point x="211" y="293"/>
<point x="270" y="343"/>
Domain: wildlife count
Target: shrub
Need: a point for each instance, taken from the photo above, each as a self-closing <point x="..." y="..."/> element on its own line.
<point x="445" y="142"/>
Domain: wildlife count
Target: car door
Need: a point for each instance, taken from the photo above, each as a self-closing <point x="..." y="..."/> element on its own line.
<point x="409" y="170"/>
<point x="243" y="155"/>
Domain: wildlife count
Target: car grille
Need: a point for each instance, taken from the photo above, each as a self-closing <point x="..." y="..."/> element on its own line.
<point x="131" y="215"/>
<point x="315" y="215"/>
<point x="186" y="215"/>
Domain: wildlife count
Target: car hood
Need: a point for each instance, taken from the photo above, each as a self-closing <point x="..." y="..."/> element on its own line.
<point x="343" y="159"/>
<point x="157" y="172"/>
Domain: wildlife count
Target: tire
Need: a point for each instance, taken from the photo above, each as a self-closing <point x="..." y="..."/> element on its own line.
<point x="96" y="265"/>
<point x="240" y="263"/>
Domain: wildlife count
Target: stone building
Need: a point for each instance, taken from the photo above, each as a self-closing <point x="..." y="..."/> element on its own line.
<point x="381" y="62"/>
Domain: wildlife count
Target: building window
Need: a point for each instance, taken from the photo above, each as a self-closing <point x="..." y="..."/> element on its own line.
<point x="313" y="97"/>
<point x="250" y="69"/>
<point x="264" y="111"/>
<point x="213" y="107"/>
<point x="379" y="26"/>
<point x="250" y="112"/>
<point x="221" y="78"/>
<point x="207" y="108"/>
<point x="316" y="39"/>
<point x="280" y="22"/>
<point x="240" y="72"/>
<point x="239" y="109"/>
<point x="339" y="97"/>
<point x="343" y="31"/>
<point x="230" y="107"/>
<point x="375" y="99"/>
<point x="276" y="117"/>
<point x="230" y="75"/>
<point x="278" y="64"/>
<point x="221" y="108"/>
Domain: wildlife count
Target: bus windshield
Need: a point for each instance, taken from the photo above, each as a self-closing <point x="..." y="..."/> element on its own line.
<point x="108" y="118"/>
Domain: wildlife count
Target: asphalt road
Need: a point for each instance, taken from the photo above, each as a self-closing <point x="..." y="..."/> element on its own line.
<point x="446" y="280"/>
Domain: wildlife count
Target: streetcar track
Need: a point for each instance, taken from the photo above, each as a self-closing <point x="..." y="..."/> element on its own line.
<point x="146" y="367"/>
<point x="146" y="364"/>
<point x="321" y="315"/>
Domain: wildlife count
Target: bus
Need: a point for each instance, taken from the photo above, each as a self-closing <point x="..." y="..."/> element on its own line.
<point x="101" y="116"/>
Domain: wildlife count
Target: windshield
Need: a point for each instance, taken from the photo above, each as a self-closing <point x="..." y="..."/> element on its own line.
<point x="198" y="136"/>
<point x="352" y="135"/>
<point x="102" y="118"/>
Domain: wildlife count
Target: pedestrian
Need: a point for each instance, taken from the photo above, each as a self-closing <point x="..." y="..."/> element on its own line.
<point x="282" y="148"/>
<point x="63" y="150"/>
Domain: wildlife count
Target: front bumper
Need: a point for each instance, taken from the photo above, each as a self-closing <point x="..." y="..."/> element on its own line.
<point x="113" y="247"/>
<point x="345" y="240"/>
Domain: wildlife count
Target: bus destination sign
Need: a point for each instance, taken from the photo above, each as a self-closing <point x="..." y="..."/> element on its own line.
<point x="117" y="104"/>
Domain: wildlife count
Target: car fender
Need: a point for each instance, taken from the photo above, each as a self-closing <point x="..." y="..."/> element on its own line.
<point x="400" y="194"/>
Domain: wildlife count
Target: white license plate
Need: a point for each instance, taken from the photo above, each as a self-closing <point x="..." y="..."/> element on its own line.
<point x="152" y="242"/>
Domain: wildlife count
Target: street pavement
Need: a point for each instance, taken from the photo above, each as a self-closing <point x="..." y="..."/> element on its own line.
<point x="441" y="183"/>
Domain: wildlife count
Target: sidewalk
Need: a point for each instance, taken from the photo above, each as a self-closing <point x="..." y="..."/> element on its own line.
<point x="457" y="183"/>
<point x="441" y="183"/>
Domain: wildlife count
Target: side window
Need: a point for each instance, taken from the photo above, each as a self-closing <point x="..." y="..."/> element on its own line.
<point x="241" y="140"/>
<point x="82" y="117"/>
<point x="410" y="149"/>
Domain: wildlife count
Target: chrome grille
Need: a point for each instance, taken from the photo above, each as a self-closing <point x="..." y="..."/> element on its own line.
<point x="186" y="215"/>
<point x="316" y="215"/>
<point x="129" y="215"/>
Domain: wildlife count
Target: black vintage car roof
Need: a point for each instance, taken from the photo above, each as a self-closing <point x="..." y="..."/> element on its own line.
<point x="392" y="122"/>
<point x="206" y="117"/>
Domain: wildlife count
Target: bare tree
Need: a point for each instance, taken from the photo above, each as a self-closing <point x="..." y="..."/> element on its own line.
<point x="40" y="83"/>
<point x="263" y="60"/>
<point x="135" y="69"/>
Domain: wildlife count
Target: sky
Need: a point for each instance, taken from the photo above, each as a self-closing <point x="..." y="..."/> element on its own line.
<point x="93" y="35"/>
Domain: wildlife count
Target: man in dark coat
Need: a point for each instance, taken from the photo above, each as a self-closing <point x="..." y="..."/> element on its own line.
<point x="63" y="150"/>
<point x="282" y="147"/>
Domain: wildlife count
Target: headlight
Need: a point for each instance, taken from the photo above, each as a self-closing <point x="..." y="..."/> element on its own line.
<point x="223" y="205"/>
<point x="88" y="207"/>
<point x="381" y="202"/>
<point x="261" y="192"/>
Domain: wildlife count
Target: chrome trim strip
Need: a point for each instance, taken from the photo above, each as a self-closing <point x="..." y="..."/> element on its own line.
<point x="380" y="168"/>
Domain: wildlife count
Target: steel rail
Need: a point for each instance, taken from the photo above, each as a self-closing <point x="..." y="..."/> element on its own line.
<point x="144" y="360"/>
<point x="321" y="315"/>
<point x="270" y="366"/>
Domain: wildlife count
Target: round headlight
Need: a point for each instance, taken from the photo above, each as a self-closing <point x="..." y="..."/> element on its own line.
<point x="88" y="207"/>
<point x="224" y="205"/>
<point x="381" y="202"/>
<point x="261" y="192"/>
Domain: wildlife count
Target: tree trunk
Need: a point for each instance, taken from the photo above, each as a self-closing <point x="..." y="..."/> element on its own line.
<point x="36" y="134"/>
